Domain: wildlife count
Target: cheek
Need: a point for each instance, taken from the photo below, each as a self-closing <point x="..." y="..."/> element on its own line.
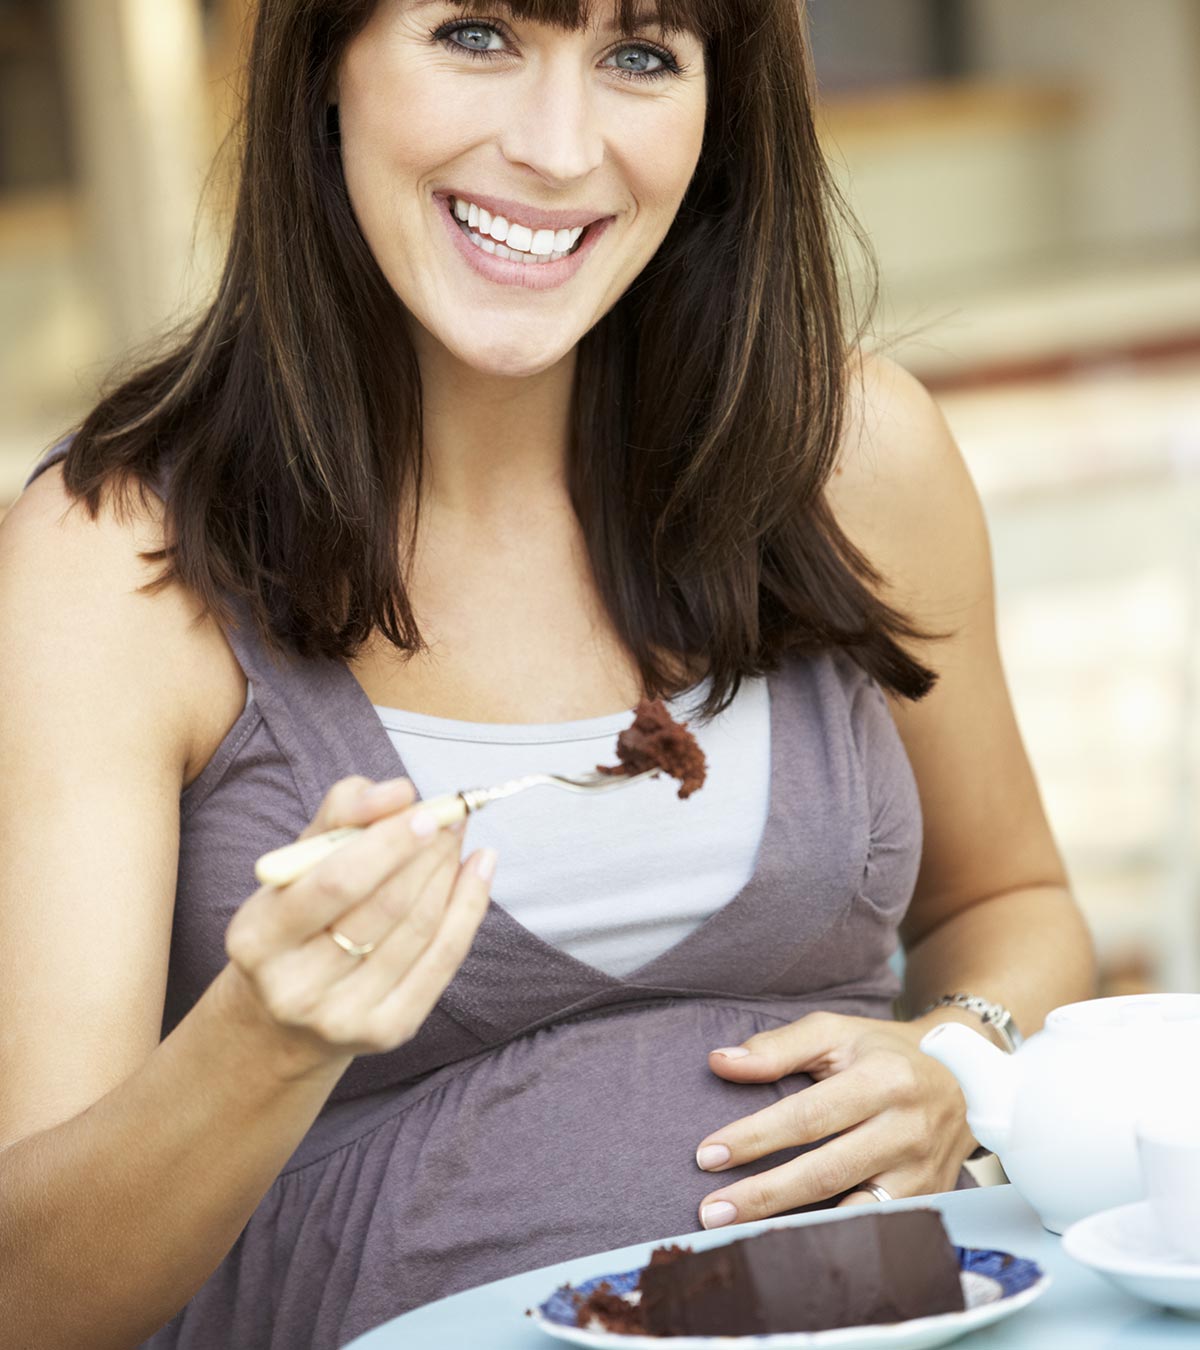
<point x="389" y="134"/>
<point x="396" y="123"/>
<point x="664" y="154"/>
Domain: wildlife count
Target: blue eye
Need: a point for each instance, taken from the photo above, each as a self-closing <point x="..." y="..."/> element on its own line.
<point x="469" y="33"/>
<point x="474" y="38"/>
<point x="641" y="54"/>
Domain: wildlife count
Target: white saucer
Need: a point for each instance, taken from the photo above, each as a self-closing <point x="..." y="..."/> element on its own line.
<point x="1125" y="1247"/>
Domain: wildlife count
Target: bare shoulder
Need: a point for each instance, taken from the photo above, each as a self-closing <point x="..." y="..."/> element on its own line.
<point x="69" y="585"/>
<point x="902" y="492"/>
<point x="75" y="612"/>
<point x="49" y="538"/>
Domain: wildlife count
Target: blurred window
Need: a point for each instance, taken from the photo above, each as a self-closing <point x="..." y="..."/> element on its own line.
<point x="862" y="44"/>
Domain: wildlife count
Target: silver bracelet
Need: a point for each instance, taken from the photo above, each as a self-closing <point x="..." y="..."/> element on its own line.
<point x="991" y="1014"/>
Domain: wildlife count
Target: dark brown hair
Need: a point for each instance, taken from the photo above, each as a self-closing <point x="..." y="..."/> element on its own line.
<point x="708" y="405"/>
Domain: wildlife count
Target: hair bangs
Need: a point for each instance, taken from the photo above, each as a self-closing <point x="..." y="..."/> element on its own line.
<point x="701" y="17"/>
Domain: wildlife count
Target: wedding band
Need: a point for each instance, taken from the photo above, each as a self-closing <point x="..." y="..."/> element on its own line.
<point x="871" y="1188"/>
<point x="355" y="949"/>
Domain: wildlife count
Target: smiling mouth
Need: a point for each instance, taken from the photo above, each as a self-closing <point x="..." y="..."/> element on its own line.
<point x="503" y="247"/>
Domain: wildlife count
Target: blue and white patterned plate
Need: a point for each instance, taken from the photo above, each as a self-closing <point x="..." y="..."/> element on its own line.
<point x="995" y="1284"/>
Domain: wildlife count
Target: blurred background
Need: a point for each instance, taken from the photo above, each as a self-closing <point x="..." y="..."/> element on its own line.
<point x="1028" y="171"/>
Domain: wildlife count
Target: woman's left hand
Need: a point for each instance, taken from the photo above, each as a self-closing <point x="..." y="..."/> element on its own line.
<point x="899" y="1118"/>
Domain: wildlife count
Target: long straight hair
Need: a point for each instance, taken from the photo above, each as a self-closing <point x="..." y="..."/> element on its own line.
<point x="707" y="411"/>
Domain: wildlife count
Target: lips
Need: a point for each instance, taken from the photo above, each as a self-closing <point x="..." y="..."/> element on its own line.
<point x="520" y="275"/>
<point x="536" y="217"/>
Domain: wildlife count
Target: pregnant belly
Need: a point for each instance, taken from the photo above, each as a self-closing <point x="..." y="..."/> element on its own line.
<point x="574" y="1139"/>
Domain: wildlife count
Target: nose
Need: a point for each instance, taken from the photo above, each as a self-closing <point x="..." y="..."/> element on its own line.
<point x="553" y="124"/>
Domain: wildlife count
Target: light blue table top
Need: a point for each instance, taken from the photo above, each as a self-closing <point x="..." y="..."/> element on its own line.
<point x="1080" y="1311"/>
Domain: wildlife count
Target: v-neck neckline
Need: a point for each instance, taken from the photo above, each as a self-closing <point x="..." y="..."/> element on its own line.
<point x="384" y="761"/>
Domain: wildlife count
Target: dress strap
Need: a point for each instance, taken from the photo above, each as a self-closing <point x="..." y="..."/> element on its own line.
<point x="55" y="453"/>
<point x="318" y="714"/>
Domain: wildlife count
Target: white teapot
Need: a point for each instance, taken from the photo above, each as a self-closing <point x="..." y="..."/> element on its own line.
<point x="1060" y="1112"/>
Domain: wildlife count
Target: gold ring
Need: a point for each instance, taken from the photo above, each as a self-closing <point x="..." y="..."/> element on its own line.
<point x="355" y="949"/>
<point x="879" y="1192"/>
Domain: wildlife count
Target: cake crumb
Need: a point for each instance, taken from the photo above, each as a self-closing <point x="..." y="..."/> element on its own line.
<point x="612" y="1311"/>
<point x="656" y="741"/>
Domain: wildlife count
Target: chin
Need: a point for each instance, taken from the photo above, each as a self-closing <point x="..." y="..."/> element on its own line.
<point x="511" y="358"/>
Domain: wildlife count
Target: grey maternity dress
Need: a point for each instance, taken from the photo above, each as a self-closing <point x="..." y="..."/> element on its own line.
<point x="546" y="1109"/>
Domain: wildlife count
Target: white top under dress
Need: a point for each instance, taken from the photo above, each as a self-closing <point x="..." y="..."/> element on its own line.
<point x="575" y="869"/>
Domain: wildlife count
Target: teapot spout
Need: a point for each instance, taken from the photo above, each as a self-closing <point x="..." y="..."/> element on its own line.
<point x="986" y="1075"/>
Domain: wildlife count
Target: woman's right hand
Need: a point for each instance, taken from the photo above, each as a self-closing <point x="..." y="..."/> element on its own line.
<point x="397" y="885"/>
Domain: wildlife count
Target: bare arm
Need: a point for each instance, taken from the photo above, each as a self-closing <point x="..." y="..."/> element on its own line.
<point x="112" y="1220"/>
<point x="128" y="1167"/>
<point x="991" y="913"/>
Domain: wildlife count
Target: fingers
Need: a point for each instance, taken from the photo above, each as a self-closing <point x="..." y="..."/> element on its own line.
<point x="398" y="889"/>
<point x="804" y="1117"/>
<point x="404" y="894"/>
<point x="904" y="1141"/>
<point x="394" y="1016"/>
<point x="889" y="1184"/>
<point x="833" y="1169"/>
<point x="300" y="977"/>
<point x="359" y="801"/>
<point x="402" y="928"/>
<point x="275" y="919"/>
<point x="819" y="1044"/>
<point x="376" y="1003"/>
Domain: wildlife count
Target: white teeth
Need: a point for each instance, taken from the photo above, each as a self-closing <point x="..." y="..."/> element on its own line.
<point x="520" y="237"/>
<point x="542" y="244"/>
<point x="513" y="242"/>
<point x="510" y="255"/>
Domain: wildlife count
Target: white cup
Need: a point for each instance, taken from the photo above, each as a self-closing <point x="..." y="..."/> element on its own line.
<point x="1168" y="1140"/>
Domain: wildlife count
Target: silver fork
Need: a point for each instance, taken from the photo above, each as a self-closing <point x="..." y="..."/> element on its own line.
<point x="284" y="865"/>
<point x="475" y="799"/>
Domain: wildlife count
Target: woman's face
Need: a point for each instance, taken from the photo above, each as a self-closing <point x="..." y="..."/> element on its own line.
<point x="532" y="132"/>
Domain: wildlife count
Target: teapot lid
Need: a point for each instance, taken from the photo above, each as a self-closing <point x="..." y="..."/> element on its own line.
<point x="1126" y="1010"/>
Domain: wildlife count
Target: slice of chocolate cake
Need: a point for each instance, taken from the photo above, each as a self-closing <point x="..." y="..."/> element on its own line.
<point x="655" y="741"/>
<point x="872" y="1268"/>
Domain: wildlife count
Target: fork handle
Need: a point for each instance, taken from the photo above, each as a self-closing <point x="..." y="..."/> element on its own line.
<point x="284" y="865"/>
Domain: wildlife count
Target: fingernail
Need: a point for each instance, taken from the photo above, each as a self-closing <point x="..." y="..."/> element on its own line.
<point x="712" y="1155"/>
<point x="485" y="863"/>
<point x="732" y="1051"/>
<point x="719" y="1213"/>
<point x="423" y="823"/>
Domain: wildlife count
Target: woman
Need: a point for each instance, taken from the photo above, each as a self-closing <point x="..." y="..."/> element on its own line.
<point x="499" y="500"/>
